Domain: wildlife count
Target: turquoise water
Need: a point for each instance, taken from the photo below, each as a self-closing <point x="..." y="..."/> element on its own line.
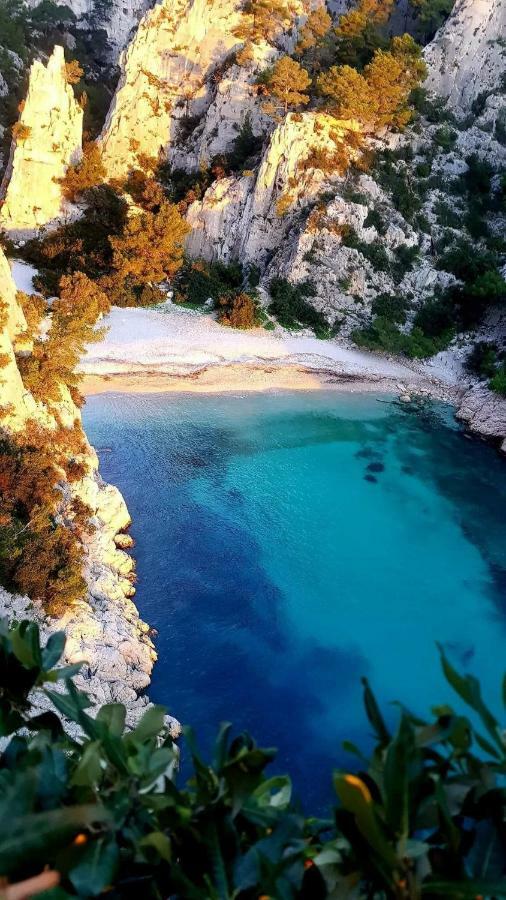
<point x="287" y="544"/>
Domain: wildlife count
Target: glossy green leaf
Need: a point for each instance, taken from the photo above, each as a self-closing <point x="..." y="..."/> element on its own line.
<point x="96" y="868"/>
<point x="374" y="715"/>
<point x="112" y="716"/>
<point x="25" y="640"/>
<point x="53" y="650"/>
<point x="160" y="842"/>
<point x="356" y="798"/>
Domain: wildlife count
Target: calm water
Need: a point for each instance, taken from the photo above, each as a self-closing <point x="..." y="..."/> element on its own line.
<point x="288" y="544"/>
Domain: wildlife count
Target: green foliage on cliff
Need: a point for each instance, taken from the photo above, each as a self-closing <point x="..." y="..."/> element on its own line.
<point x="104" y="814"/>
<point x="292" y="309"/>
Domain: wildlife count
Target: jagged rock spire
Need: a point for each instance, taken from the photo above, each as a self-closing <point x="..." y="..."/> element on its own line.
<point x="47" y="137"/>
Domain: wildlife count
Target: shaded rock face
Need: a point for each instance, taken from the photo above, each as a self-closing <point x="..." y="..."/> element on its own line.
<point x="117" y="18"/>
<point x="466" y="58"/>
<point x="484" y="413"/>
<point x="104" y="629"/>
<point x="48" y="138"/>
<point x="247" y="217"/>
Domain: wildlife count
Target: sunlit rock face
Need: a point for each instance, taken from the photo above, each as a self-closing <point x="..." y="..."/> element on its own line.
<point x="48" y="138"/>
<point x="164" y="72"/>
<point x="247" y="217"/>
<point x="234" y="99"/>
<point x="466" y="58"/>
<point x="19" y="403"/>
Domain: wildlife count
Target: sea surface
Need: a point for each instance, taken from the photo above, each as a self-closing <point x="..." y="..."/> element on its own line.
<point x="288" y="544"/>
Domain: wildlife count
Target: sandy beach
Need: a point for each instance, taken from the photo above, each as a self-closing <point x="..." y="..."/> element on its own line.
<point x="175" y="349"/>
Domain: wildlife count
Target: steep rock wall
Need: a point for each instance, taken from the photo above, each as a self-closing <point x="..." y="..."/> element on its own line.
<point x="247" y="217"/>
<point x="104" y="629"/>
<point x="466" y="58"/>
<point x="163" y="78"/>
<point x="48" y="138"/>
<point x="178" y="74"/>
<point x="117" y="18"/>
<point x="12" y="392"/>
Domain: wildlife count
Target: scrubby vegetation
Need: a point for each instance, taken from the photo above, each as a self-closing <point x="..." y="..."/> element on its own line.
<point x="423" y="816"/>
<point x="291" y="308"/>
<point x="40" y="551"/>
<point x="126" y="255"/>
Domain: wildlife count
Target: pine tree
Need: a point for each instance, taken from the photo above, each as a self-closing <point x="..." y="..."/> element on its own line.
<point x="88" y="173"/>
<point x="348" y="95"/>
<point x="151" y="246"/>
<point x="285" y="84"/>
<point x="378" y="97"/>
<point x="316" y="44"/>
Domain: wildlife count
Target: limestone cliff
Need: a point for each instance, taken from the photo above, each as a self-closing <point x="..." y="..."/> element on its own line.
<point x="247" y="217"/>
<point x="466" y="58"/>
<point x="103" y="629"/>
<point x="117" y="18"/>
<point x="12" y="325"/>
<point x="180" y="94"/>
<point x="47" y="138"/>
<point x="164" y="71"/>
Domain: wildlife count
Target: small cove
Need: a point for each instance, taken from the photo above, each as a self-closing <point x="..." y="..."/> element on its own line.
<point x="287" y="544"/>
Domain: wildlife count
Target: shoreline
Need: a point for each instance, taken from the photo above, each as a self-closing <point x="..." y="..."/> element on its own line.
<point x="248" y="378"/>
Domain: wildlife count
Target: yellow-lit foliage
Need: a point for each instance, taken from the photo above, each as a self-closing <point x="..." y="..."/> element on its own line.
<point x="285" y="86"/>
<point x="73" y="72"/>
<point x="34" y="309"/>
<point x="314" y="29"/>
<point x="87" y="173"/>
<point x="379" y="97"/>
<point x="73" y="317"/>
<point x="38" y="555"/>
<point x="151" y="246"/>
<point x="238" y="310"/>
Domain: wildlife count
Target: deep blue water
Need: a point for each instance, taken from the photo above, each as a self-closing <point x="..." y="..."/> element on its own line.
<point x="287" y="544"/>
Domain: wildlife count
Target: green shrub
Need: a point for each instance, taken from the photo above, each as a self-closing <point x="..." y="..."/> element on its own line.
<point x="391" y="307"/>
<point x="374" y="251"/>
<point x="199" y="281"/>
<point x="445" y="137"/>
<point x="423" y="817"/>
<point x="246" y="146"/>
<point x="404" y="260"/>
<point x="498" y="381"/>
<point x="483" y="359"/>
<point x="290" y="306"/>
<point x="435" y="317"/>
<point x="375" y="220"/>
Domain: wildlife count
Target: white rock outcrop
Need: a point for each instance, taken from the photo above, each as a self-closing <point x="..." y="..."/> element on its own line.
<point x="484" y="413"/>
<point x="47" y="138"/>
<point x="466" y="58"/>
<point x="164" y="76"/>
<point x="13" y="396"/>
<point x="247" y="217"/>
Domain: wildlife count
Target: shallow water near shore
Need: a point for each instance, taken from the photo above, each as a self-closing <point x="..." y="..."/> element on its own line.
<point x="289" y="543"/>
